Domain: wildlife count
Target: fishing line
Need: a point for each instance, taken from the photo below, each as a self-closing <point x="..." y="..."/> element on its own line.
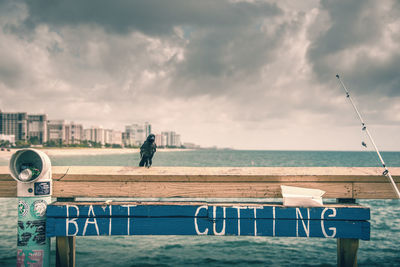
<point x="64" y="174"/>
<point x="365" y="129"/>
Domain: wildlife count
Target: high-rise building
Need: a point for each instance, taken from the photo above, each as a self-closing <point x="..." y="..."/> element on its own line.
<point x="137" y="132"/>
<point x="14" y="124"/>
<point x="56" y="131"/>
<point x="176" y="141"/>
<point x="108" y="136"/>
<point x="95" y="134"/>
<point x="170" y="139"/>
<point x="158" y="140"/>
<point x="37" y="128"/>
<point x="116" y="138"/>
<point x="165" y="140"/>
<point x="147" y="129"/>
<point x="62" y="132"/>
<point x="127" y="139"/>
<point x="73" y="133"/>
<point x="112" y="137"/>
<point x="99" y="135"/>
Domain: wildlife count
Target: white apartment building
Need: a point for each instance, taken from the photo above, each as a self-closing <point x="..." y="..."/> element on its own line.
<point x="137" y="132"/>
<point x="147" y="129"/>
<point x="159" y="140"/>
<point x="15" y="123"/>
<point x="73" y="133"/>
<point x="64" y="133"/>
<point x="117" y="138"/>
<point x="170" y="139"/>
<point x="112" y="137"/>
<point x="37" y="127"/>
<point x="56" y="131"/>
<point x="127" y="139"/>
<point x="23" y="126"/>
<point x="95" y="134"/>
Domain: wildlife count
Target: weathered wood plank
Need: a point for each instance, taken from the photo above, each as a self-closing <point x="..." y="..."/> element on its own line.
<point x="221" y="174"/>
<point x="103" y="181"/>
<point x="204" y="210"/>
<point x="367" y="190"/>
<point x="202" y="226"/>
<point x="216" y="174"/>
<point x="193" y="189"/>
<point x="8" y="188"/>
<point x="267" y="220"/>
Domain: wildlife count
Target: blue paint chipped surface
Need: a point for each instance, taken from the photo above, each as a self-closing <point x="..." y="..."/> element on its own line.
<point x="98" y="219"/>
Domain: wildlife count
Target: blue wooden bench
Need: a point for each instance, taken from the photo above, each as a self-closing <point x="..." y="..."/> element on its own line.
<point x="347" y="222"/>
<point x="135" y="218"/>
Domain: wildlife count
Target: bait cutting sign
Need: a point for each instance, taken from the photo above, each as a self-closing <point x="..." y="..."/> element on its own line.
<point x="252" y="220"/>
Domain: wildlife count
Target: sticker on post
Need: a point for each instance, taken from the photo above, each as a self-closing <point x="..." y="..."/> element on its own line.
<point x="38" y="208"/>
<point x="22" y="208"/>
<point x="31" y="233"/>
<point x="27" y="257"/>
<point x="42" y="188"/>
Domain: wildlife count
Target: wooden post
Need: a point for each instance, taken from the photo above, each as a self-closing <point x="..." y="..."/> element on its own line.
<point x="347" y="247"/>
<point x="347" y="252"/>
<point x="65" y="246"/>
<point x="65" y="251"/>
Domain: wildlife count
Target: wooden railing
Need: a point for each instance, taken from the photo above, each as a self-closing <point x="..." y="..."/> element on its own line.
<point x="211" y="182"/>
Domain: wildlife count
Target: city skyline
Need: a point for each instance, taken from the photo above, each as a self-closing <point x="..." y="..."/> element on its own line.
<point x="239" y="74"/>
<point x="89" y="125"/>
<point x="22" y="127"/>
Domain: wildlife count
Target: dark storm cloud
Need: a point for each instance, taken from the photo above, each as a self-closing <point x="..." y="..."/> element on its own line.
<point x="217" y="61"/>
<point x="358" y="33"/>
<point x="12" y="70"/>
<point x="225" y="40"/>
<point x="155" y="17"/>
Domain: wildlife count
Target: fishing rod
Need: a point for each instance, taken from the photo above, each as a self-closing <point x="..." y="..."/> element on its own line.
<point x="364" y="128"/>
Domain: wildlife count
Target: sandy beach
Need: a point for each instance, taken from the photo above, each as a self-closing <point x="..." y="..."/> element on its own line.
<point x="6" y="155"/>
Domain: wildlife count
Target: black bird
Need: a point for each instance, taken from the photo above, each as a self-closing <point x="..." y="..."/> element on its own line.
<point x="147" y="151"/>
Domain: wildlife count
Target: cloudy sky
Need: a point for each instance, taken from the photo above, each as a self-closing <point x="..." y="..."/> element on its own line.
<point x="240" y="74"/>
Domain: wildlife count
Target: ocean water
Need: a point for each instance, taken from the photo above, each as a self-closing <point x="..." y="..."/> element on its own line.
<point x="382" y="250"/>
